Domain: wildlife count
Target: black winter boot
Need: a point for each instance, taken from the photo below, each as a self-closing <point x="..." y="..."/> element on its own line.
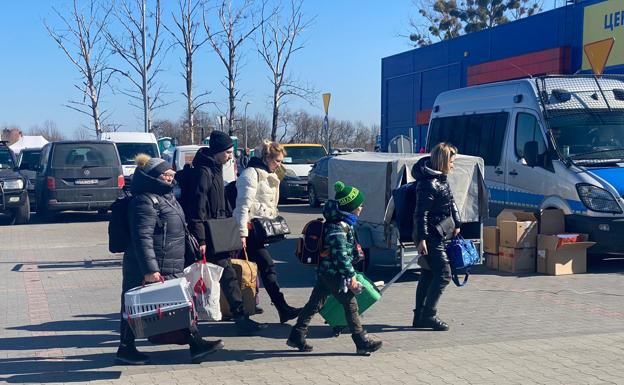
<point x="417" y="322"/>
<point x="365" y="345"/>
<point x="297" y="340"/>
<point x="246" y="326"/>
<point x="285" y="311"/>
<point x="202" y="348"/>
<point x="129" y="355"/>
<point x="430" y="320"/>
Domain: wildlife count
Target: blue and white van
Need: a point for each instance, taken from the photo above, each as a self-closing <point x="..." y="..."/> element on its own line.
<point x="547" y="142"/>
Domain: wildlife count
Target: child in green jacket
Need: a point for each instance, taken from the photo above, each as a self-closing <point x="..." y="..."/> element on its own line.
<point x="338" y="237"/>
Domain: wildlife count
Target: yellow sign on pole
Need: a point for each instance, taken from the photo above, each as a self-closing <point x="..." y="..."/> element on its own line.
<point x="326" y="98"/>
<point x="598" y="53"/>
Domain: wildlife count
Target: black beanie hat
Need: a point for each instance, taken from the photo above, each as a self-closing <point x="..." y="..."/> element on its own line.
<point x="219" y="141"/>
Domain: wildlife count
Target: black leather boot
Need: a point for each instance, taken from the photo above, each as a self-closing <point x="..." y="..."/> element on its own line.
<point x="129" y="355"/>
<point x="285" y="311"/>
<point x="430" y="320"/>
<point x="365" y="345"/>
<point x="417" y="322"/>
<point x="297" y="340"/>
<point x="246" y="326"/>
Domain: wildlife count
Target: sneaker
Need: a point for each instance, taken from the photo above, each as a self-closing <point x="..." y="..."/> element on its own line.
<point x="204" y="348"/>
<point x="434" y="323"/>
<point x="129" y="355"/>
<point x="246" y="326"/>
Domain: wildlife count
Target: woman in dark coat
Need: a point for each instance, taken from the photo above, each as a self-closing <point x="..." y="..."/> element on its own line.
<point x="434" y="204"/>
<point x="156" y="249"/>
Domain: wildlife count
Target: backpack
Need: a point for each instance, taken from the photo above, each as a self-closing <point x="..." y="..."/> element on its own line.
<point x="119" y="225"/>
<point x="310" y="248"/>
<point x="404" y="207"/>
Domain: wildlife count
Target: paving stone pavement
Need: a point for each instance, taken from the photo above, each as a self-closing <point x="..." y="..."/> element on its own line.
<point x="59" y="303"/>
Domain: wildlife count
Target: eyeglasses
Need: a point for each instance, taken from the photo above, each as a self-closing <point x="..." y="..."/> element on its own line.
<point x="170" y="174"/>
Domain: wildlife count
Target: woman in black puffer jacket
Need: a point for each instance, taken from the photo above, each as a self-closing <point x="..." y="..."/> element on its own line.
<point x="156" y="249"/>
<point x="434" y="204"/>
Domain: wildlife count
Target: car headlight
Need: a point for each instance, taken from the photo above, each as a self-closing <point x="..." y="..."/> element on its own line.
<point x="13" y="184"/>
<point x="291" y="174"/>
<point x="598" y="199"/>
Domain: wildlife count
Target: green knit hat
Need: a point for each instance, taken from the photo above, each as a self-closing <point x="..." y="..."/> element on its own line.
<point x="349" y="198"/>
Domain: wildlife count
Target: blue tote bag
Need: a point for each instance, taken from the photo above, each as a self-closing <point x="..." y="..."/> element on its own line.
<point x="462" y="254"/>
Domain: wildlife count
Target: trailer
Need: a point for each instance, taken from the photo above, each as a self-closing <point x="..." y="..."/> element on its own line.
<point x="378" y="174"/>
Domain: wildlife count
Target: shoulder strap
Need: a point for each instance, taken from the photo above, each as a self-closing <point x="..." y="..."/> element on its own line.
<point x="154" y="199"/>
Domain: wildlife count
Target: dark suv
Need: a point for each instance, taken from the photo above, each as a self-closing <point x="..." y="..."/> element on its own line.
<point x="13" y="193"/>
<point x="78" y="175"/>
<point x="318" y="190"/>
<point x="28" y="162"/>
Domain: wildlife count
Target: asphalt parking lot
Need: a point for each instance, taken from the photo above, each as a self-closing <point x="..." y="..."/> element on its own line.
<point x="59" y="303"/>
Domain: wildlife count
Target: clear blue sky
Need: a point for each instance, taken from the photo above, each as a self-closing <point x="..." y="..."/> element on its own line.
<point x="343" y="56"/>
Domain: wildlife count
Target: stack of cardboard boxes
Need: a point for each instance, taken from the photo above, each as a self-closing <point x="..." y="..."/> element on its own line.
<point x="514" y="245"/>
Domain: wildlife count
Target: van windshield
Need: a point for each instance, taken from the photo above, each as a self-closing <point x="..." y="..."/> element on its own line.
<point x="303" y="154"/>
<point x="6" y="160"/>
<point x="29" y="159"/>
<point x="79" y="155"/>
<point x="589" y="134"/>
<point x="128" y="151"/>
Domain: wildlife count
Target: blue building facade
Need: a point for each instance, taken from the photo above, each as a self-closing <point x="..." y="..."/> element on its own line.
<point x="548" y="43"/>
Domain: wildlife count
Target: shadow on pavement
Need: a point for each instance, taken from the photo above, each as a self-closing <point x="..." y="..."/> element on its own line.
<point x="80" y="368"/>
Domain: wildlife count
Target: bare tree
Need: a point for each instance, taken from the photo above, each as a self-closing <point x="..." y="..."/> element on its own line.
<point x="186" y="37"/>
<point x="48" y="130"/>
<point x="82" y="40"/>
<point x="279" y="40"/>
<point x="141" y="48"/>
<point x="235" y="25"/>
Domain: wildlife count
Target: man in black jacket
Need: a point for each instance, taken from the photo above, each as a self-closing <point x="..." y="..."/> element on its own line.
<point x="203" y="198"/>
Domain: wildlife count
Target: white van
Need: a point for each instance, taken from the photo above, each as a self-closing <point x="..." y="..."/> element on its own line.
<point x="129" y="144"/>
<point x="547" y="142"/>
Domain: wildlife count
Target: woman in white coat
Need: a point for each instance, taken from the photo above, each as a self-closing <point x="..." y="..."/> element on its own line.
<point x="258" y="194"/>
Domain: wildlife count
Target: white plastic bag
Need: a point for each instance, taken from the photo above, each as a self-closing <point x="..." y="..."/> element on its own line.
<point x="204" y="279"/>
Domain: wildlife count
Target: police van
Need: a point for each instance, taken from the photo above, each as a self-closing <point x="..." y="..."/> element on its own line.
<point x="547" y="142"/>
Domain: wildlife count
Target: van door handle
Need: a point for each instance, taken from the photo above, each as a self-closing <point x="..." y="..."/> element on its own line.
<point x="513" y="172"/>
<point x="498" y="171"/>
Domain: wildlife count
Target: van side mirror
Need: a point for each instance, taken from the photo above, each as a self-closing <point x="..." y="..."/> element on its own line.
<point x="530" y="153"/>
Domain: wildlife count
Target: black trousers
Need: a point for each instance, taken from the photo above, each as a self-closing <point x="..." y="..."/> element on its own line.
<point x="258" y="253"/>
<point x="229" y="283"/>
<point x="326" y="285"/>
<point x="434" y="280"/>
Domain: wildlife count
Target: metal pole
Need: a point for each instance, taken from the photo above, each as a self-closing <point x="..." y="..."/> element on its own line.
<point x="144" y="75"/>
<point x="326" y="124"/>
<point x="245" y="121"/>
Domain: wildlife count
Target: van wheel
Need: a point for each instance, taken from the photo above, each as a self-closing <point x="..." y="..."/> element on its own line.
<point x="22" y="214"/>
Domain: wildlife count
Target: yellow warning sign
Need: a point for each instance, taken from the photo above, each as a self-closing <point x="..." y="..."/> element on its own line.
<point x="326" y="98"/>
<point x="598" y="53"/>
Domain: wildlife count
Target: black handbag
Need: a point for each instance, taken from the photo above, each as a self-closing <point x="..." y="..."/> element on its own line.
<point x="192" y="253"/>
<point x="445" y="228"/>
<point x="223" y="236"/>
<point x="270" y="229"/>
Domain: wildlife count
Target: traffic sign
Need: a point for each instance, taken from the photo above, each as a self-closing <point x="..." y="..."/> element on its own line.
<point x="326" y="98"/>
<point x="598" y="53"/>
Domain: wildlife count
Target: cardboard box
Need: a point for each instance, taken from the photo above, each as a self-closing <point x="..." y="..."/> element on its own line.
<point x="491" y="261"/>
<point x="516" y="260"/>
<point x="491" y="239"/>
<point x="552" y="222"/>
<point x="518" y="229"/>
<point x="557" y="257"/>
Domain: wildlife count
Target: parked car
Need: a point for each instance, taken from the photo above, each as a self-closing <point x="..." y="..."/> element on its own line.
<point x="185" y="154"/>
<point x="28" y="161"/>
<point x="318" y="189"/>
<point x="78" y="175"/>
<point x="129" y="144"/>
<point x="13" y="194"/>
<point x="297" y="164"/>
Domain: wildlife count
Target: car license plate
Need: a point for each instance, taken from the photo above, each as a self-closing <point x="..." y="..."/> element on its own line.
<point x="86" y="181"/>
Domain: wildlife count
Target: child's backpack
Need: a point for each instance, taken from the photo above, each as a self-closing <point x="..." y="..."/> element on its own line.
<point x="404" y="206"/>
<point x="310" y="248"/>
<point x="119" y="224"/>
